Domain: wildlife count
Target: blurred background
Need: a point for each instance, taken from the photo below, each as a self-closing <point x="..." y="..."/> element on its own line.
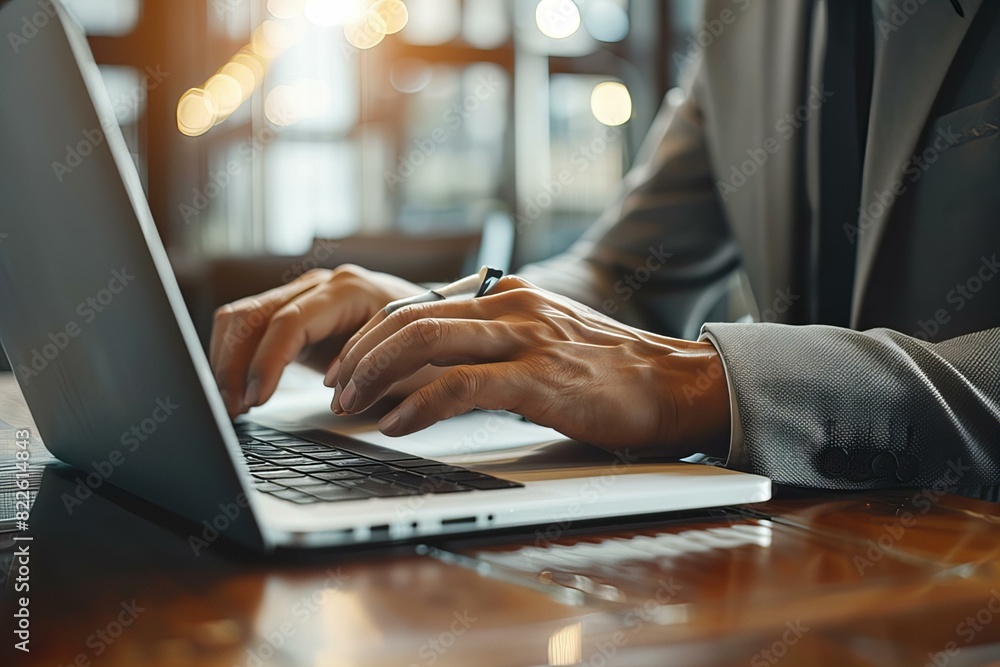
<point x="420" y="137"/>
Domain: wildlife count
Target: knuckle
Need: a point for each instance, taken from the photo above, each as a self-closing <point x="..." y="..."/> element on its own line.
<point x="460" y="385"/>
<point x="287" y="316"/>
<point x="223" y="313"/>
<point x="346" y="270"/>
<point x="510" y="282"/>
<point x="521" y="298"/>
<point x="424" y="332"/>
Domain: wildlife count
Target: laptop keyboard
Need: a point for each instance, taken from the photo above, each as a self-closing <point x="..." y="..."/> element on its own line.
<point x="305" y="471"/>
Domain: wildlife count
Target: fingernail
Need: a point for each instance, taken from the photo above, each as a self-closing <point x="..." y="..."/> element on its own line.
<point x="253" y="394"/>
<point x="348" y="395"/>
<point x="331" y="375"/>
<point x="389" y="424"/>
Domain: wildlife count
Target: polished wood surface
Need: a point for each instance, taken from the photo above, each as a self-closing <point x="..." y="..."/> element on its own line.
<point x="892" y="578"/>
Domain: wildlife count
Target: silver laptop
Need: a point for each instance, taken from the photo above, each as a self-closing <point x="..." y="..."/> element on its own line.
<point x="94" y="326"/>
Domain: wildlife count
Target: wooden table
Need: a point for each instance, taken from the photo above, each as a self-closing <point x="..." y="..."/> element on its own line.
<point x="895" y="578"/>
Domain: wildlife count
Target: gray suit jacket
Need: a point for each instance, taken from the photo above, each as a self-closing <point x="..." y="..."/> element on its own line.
<point x="910" y="395"/>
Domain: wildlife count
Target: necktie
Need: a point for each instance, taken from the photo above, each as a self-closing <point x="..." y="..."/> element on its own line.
<point x="848" y="65"/>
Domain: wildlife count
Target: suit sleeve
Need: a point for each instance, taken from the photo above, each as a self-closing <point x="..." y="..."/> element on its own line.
<point x="833" y="408"/>
<point x="662" y="255"/>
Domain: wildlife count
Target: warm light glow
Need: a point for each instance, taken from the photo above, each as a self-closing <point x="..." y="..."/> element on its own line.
<point x="242" y="75"/>
<point x="226" y="94"/>
<point x="566" y="646"/>
<point x="394" y="13"/>
<point x="367" y="32"/>
<point x="196" y="113"/>
<point x="557" y="19"/>
<point x="271" y="38"/>
<point x="247" y="58"/>
<point x="611" y="103"/>
<point x="285" y="9"/>
<point x="334" y="12"/>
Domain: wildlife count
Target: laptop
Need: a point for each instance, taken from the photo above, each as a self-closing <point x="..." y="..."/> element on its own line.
<point x="105" y="352"/>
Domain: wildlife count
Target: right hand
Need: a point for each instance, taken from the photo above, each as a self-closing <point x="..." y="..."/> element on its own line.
<point x="307" y="320"/>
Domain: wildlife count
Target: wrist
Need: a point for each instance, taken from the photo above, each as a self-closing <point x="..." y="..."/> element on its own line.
<point x="695" y="381"/>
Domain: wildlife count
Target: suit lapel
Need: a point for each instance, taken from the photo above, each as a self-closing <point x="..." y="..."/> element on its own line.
<point x="916" y="56"/>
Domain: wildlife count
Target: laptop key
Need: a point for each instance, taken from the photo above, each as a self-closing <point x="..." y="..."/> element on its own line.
<point x="402" y="478"/>
<point x="414" y="463"/>
<point x="293" y="495"/>
<point x="266" y="487"/>
<point x="350" y="462"/>
<point x="337" y="475"/>
<point x="328" y="454"/>
<point x="335" y="493"/>
<point x="306" y="482"/>
<point x="276" y="474"/>
<point x="372" y="469"/>
<point x="311" y="468"/>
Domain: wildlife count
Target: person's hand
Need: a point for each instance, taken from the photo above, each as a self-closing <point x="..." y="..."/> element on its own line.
<point x="552" y="360"/>
<point x="308" y="320"/>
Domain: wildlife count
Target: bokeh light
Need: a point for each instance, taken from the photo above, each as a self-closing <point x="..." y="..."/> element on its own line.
<point x="366" y="32"/>
<point x="327" y="13"/>
<point x="394" y="13"/>
<point x="557" y="19"/>
<point x="285" y="9"/>
<point x="225" y="92"/>
<point x="196" y="113"/>
<point x="242" y="75"/>
<point x="611" y="103"/>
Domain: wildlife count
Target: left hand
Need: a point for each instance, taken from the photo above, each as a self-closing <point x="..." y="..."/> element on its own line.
<point x="548" y="358"/>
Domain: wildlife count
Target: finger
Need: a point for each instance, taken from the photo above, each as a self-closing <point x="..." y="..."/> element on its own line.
<point x="505" y="284"/>
<point x="352" y="353"/>
<point x="427" y="341"/>
<point x="307" y="319"/>
<point x="237" y="330"/>
<point x="486" y="386"/>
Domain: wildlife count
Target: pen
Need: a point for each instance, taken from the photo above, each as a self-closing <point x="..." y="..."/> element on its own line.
<point x="470" y="287"/>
